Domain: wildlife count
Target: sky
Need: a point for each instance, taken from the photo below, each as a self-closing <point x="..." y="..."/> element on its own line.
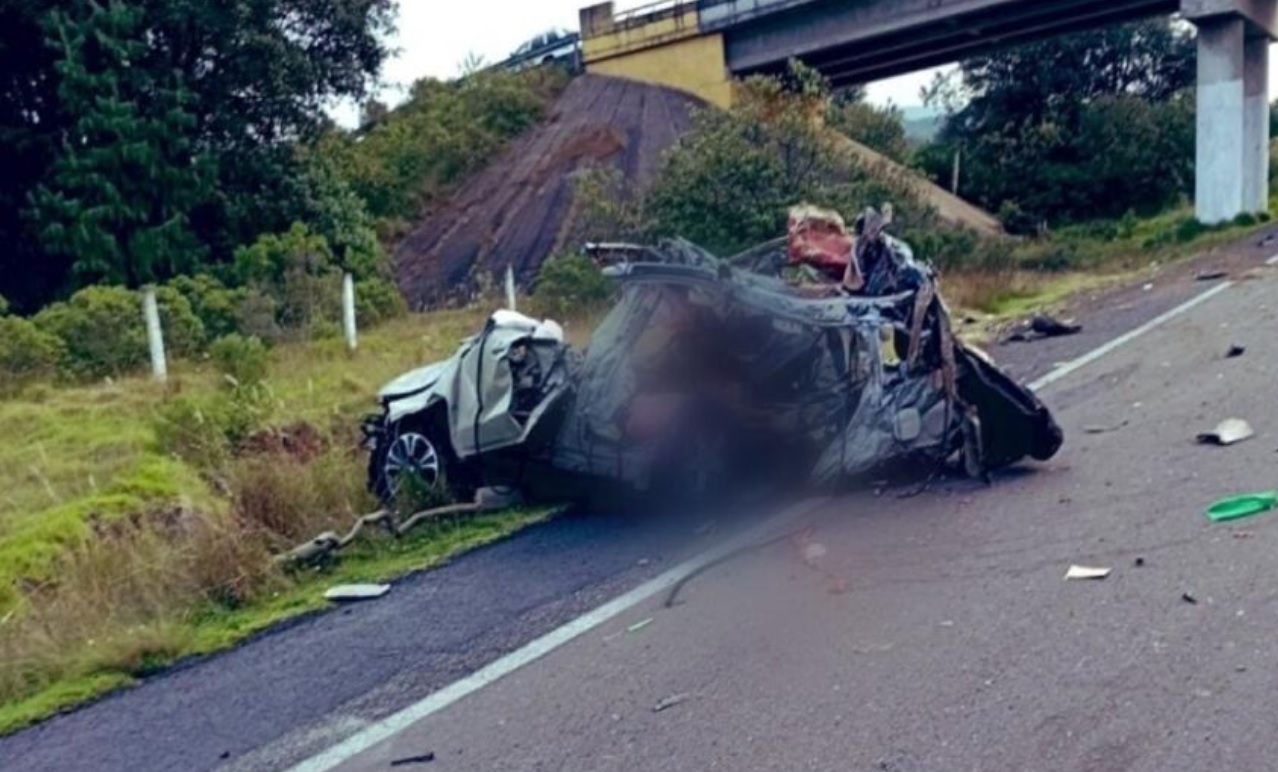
<point x="435" y="37"/>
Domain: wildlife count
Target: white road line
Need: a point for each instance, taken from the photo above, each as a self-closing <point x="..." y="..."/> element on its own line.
<point x="397" y="722"/>
<point x="1123" y="340"/>
<point x="1272" y="261"/>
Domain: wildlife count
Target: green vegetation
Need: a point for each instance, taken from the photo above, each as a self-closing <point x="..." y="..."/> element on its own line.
<point x="571" y="285"/>
<point x="879" y="128"/>
<point x="729" y="184"/>
<point x="148" y="139"/>
<point x="137" y="520"/>
<point x="1072" y="128"/>
<point x="409" y="158"/>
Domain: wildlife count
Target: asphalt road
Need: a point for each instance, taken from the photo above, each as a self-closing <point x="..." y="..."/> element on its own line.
<point x="957" y="644"/>
<point x="947" y="592"/>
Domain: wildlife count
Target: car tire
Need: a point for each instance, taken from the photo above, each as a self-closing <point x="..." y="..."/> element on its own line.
<point x="417" y="446"/>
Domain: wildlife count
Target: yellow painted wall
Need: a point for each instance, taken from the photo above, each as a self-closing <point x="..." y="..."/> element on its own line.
<point x="619" y="40"/>
<point x="693" y="64"/>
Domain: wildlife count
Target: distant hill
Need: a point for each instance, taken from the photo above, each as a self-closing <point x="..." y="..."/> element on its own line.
<point x="922" y="123"/>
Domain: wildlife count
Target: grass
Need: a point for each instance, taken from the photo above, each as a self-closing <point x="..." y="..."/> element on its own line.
<point x="118" y="558"/>
<point x="1043" y="272"/>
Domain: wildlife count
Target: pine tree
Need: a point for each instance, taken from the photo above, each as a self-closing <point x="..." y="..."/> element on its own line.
<point x="120" y="197"/>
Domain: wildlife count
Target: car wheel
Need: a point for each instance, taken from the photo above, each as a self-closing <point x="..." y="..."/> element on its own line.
<point x="410" y="451"/>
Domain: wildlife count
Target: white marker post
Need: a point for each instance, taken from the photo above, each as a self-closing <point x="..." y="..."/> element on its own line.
<point x="510" y="288"/>
<point x="348" y="311"/>
<point x="154" y="335"/>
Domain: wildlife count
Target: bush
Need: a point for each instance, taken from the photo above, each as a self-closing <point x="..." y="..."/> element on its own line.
<point x="213" y="303"/>
<point x="296" y="269"/>
<point x="206" y="433"/>
<point x="571" y="283"/>
<point x="102" y="331"/>
<point x="377" y="300"/>
<point x="255" y="316"/>
<point x="4" y="306"/>
<point x="104" y="334"/>
<point x="242" y="361"/>
<point x="183" y="330"/>
<point x="27" y="354"/>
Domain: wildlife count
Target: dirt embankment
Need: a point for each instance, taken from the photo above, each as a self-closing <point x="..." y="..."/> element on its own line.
<point x="516" y="211"/>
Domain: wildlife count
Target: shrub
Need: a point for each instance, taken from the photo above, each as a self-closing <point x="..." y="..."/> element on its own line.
<point x="241" y="360"/>
<point x="212" y="302"/>
<point x="103" y="332"/>
<point x="255" y="317"/>
<point x="377" y="300"/>
<point x="296" y="269"/>
<point x="192" y="432"/>
<point x="206" y="433"/>
<point x="1189" y="229"/>
<point x="289" y="500"/>
<point x="183" y="330"/>
<point x="27" y="354"/>
<point x="571" y="282"/>
<point x="4" y="306"/>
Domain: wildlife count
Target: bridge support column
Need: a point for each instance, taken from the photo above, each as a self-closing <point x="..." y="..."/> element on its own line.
<point x="1227" y="161"/>
<point x="1233" y="105"/>
<point x="1256" y="124"/>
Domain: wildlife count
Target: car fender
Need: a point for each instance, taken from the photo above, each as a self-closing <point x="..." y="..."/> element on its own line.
<point x="414" y="391"/>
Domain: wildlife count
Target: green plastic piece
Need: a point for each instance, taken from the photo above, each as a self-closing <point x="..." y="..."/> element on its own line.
<point x="1238" y="507"/>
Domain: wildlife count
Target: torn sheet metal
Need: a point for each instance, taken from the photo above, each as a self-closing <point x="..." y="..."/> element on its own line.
<point x="709" y="370"/>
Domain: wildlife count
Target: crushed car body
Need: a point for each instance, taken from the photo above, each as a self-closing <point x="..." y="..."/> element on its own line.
<point x="708" y="373"/>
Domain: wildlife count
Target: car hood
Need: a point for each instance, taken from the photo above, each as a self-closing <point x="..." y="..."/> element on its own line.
<point x="413" y="382"/>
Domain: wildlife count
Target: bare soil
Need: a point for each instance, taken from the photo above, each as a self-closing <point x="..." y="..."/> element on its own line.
<point x="518" y="210"/>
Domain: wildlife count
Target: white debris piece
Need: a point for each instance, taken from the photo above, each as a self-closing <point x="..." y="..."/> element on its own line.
<point x="1228" y="432"/>
<point x="344" y="592"/>
<point x="1087" y="572"/>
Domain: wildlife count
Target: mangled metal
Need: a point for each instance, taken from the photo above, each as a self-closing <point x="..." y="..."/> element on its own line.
<point x="708" y="371"/>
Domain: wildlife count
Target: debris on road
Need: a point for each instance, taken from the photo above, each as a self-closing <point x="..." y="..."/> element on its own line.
<point x="1139" y="562"/>
<point x="1050" y="327"/>
<point x="1235" y="351"/>
<point x="670" y="702"/>
<point x="813" y="552"/>
<point x="1084" y="573"/>
<point x="1228" y="432"/>
<point x="1190" y="599"/>
<point x="1209" y="275"/>
<point x="1238" y="507"/>
<point x="352" y="592"/>
<point x="424" y="758"/>
<point x="1043" y="326"/>
<point x="1104" y="429"/>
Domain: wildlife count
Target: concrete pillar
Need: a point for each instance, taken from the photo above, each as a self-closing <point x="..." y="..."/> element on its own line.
<point x="1221" y="154"/>
<point x="1256" y="123"/>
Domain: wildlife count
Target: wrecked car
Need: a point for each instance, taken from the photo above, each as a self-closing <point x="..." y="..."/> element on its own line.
<point x="712" y="375"/>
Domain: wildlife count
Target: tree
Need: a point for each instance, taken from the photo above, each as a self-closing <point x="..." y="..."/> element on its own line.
<point x="730" y="182"/>
<point x="211" y="97"/>
<point x="118" y="198"/>
<point x="878" y="128"/>
<point x="1031" y="122"/>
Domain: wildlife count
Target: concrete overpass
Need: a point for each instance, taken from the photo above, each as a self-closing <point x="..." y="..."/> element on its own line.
<point x="701" y="45"/>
